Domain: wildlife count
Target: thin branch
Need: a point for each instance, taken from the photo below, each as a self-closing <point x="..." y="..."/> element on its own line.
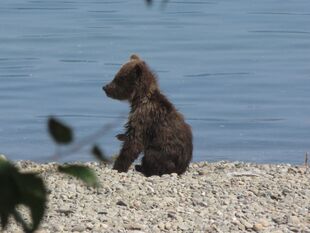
<point x="84" y="142"/>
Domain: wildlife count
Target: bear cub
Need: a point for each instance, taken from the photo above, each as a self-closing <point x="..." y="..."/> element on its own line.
<point x="154" y="128"/>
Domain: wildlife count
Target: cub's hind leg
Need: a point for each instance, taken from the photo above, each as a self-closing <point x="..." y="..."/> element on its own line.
<point x="156" y="163"/>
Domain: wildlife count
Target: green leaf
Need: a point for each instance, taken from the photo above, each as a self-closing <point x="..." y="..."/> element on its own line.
<point x="99" y="154"/>
<point x="33" y="195"/>
<point x="87" y="175"/>
<point x="61" y="133"/>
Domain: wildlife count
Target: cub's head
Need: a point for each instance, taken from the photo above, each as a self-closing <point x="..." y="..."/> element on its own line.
<point x="133" y="80"/>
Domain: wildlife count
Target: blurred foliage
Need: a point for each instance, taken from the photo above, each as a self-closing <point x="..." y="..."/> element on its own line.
<point x="28" y="189"/>
<point x="99" y="155"/>
<point x="61" y="133"/>
<point x="21" y="189"/>
<point x="83" y="173"/>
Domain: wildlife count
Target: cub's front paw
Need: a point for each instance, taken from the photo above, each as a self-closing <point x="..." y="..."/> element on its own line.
<point x="122" y="137"/>
<point x="139" y="168"/>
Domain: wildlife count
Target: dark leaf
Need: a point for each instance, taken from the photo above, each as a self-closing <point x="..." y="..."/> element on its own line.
<point x="20" y="188"/>
<point x="19" y="219"/>
<point x="33" y="195"/>
<point x="9" y="194"/>
<point x="60" y="133"/>
<point x="4" y="219"/>
<point x="87" y="175"/>
<point x="99" y="154"/>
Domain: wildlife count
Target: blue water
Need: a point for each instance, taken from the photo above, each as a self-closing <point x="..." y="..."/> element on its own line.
<point x="238" y="70"/>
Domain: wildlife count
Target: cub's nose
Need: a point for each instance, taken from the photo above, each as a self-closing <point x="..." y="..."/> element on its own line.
<point x="104" y="88"/>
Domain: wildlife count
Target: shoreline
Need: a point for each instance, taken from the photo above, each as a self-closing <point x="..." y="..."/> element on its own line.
<point x="209" y="197"/>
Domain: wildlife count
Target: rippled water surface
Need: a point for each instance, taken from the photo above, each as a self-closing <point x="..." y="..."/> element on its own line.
<point x="238" y="70"/>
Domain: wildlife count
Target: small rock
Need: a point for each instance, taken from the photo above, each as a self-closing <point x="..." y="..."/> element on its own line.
<point x="65" y="211"/>
<point x="155" y="230"/>
<point x="240" y="226"/>
<point x="136" y="204"/>
<point x="203" y="204"/>
<point x="89" y="226"/>
<point x="41" y="231"/>
<point x="102" y="212"/>
<point x="168" y="226"/>
<point x="246" y="224"/>
<point x="56" y="227"/>
<point x="121" y="203"/>
<point x="264" y="222"/>
<point x="258" y="227"/>
<point x="134" y="226"/>
<point x="276" y="231"/>
<point x="293" y="220"/>
<point x="78" y="228"/>
<point x="172" y="215"/>
<point x="135" y="231"/>
<point x="165" y="176"/>
<point x="203" y="172"/>
<point x="161" y="226"/>
<point x="100" y="226"/>
<point x="183" y="226"/>
<point x="294" y="229"/>
<point x="280" y="219"/>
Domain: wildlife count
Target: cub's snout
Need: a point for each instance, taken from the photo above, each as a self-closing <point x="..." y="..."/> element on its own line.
<point x="105" y="89"/>
<point x="108" y="89"/>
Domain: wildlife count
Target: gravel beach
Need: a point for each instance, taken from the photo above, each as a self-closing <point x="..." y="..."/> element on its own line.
<point x="209" y="197"/>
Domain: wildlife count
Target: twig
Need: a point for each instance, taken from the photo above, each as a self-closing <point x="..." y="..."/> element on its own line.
<point x="84" y="142"/>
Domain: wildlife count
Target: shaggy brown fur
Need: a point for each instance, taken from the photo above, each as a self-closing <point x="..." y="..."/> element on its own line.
<point x="154" y="126"/>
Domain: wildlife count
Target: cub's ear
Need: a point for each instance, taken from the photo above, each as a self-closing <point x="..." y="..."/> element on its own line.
<point x="138" y="69"/>
<point x="134" y="57"/>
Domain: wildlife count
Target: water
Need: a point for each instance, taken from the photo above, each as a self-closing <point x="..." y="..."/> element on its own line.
<point x="238" y="70"/>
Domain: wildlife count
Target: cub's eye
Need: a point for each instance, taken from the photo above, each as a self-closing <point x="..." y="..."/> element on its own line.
<point x="119" y="80"/>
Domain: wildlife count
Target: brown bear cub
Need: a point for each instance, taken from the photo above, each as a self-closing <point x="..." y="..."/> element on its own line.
<point x="154" y="128"/>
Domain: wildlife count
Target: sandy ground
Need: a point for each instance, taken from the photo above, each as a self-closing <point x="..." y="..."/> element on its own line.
<point x="209" y="197"/>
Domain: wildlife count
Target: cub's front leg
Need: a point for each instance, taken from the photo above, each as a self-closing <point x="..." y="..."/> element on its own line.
<point x="128" y="154"/>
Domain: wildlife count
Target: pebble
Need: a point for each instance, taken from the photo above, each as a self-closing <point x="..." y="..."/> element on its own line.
<point x="134" y="226"/>
<point x="42" y="231"/>
<point x="121" y="203"/>
<point x="168" y="226"/>
<point x="293" y="220"/>
<point x="78" y="228"/>
<point x="258" y="227"/>
<point x="209" y="197"/>
<point x="280" y="219"/>
<point x="246" y="224"/>
<point x="161" y="226"/>
<point x="264" y="222"/>
<point x="182" y="226"/>
<point x="276" y="231"/>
